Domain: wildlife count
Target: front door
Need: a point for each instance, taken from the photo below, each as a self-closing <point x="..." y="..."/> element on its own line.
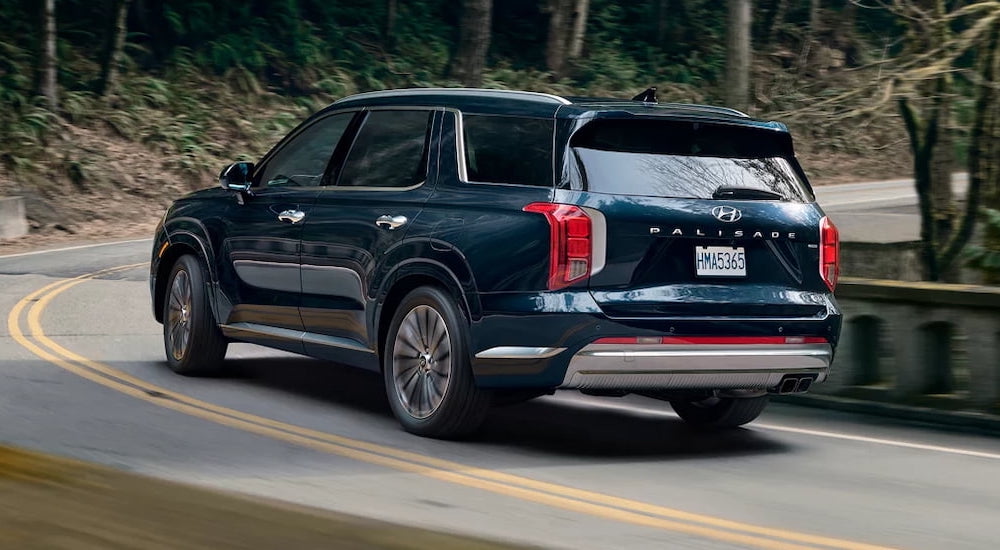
<point x="261" y="248"/>
<point x="375" y="197"/>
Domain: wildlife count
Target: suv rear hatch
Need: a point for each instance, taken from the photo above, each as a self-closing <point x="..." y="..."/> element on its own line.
<point x="702" y="219"/>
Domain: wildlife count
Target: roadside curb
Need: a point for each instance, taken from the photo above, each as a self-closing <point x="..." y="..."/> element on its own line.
<point x="966" y="421"/>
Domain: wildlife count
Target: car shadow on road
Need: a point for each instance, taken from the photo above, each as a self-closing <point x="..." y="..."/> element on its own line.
<point x="544" y="426"/>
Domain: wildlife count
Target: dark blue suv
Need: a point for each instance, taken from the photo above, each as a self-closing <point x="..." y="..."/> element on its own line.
<point x="486" y="246"/>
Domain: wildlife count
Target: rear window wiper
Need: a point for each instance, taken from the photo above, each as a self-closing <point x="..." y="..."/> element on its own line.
<point x="746" y="193"/>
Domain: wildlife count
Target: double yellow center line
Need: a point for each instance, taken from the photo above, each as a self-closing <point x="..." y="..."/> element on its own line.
<point x="549" y="494"/>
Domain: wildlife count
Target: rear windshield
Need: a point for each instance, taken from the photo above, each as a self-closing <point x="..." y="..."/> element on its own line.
<point x="684" y="160"/>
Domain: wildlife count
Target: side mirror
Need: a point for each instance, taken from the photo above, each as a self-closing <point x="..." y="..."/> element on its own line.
<point x="237" y="176"/>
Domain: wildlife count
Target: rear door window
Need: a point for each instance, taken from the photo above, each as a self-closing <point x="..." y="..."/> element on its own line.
<point x="389" y="151"/>
<point x="508" y="149"/>
<point x="685" y="160"/>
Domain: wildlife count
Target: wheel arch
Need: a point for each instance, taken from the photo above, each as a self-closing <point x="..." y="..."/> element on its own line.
<point x="181" y="243"/>
<point x="408" y="277"/>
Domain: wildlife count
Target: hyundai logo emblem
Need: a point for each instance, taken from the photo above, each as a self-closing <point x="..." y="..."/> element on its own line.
<point x="727" y="214"/>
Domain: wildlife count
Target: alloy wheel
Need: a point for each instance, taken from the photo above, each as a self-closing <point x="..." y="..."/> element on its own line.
<point x="179" y="315"/>
<point x="422" y="361"/>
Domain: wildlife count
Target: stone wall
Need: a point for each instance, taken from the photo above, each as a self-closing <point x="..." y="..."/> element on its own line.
<point x="924" y="344"/>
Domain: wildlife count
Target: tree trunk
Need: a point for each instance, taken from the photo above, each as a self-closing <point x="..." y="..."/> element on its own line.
<point x="809" y="43"/>
<point x="114" y="52"/>
<point x="738" y="55"/>
<point x="943" y="162"/>
<point x="391" y="9"/>
<point x="984" y="142"/>
<point x="662" y="20"/>
<point x="923" y="132"/>
<point x="814" y="22"/>
<point x="47" y="86"/>
<point x="579" y="31"/>
<point x="777" y="20"/>
<point x="845" y="38"/>
<point x="473" y="43"/>
<point x="559" y="22"/>
<point x="942" y="165"/>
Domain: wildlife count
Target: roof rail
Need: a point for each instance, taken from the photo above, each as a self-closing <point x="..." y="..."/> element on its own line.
<point x="457" y="91"/>
<point x="715" y="108"/>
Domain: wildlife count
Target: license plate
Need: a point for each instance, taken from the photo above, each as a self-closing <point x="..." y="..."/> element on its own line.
<point x="720" y="261"/>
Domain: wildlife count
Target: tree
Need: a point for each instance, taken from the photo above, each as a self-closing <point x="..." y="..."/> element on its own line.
<point x="114" y="50"/>
<point x="47" y="84"/>
<point x="984" y="155"/>
<point x="662" y="21"/>
<point x="926" y="111"/>
<point x="391" y="11"/>
<point x="579" y="29"/>
<point x="474" y="42"/>
<point x="738" y="55"/>
<point x="567" y="30"/>
<point x="919" y="82"/>
<point x="555" y="48"/>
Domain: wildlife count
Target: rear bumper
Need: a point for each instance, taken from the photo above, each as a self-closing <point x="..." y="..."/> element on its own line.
<point x="547" y="341"/>
<point x="667" y="367"/>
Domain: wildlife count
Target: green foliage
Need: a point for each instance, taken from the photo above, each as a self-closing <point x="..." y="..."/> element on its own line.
<point x="986" y="257"/>
<point x="208" y="80"/>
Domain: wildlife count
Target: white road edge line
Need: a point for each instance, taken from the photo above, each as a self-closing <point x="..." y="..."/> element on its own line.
<point x="68" y="248"/>
<point x="803" y="431"/>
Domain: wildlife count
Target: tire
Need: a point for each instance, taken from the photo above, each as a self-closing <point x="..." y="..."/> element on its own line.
<point x="192" y="341"/>
<point x="427" y="368"/>
<point x="720" y="412"/>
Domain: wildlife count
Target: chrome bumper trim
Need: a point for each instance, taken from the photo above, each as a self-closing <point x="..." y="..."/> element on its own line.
<point x="519" y="352"/>
<point x="613" y="366"/>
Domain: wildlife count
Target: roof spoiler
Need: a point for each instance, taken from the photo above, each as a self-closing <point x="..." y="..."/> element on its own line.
<point x="647" y="96"/>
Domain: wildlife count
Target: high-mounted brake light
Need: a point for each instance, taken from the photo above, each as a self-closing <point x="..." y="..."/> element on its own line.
<point x="570" y="242"/>
<point x="829" y="252"/>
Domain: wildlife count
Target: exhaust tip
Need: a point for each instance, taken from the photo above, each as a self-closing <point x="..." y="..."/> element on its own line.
<point x="788" y="385"/>
<point x="804" y="385"/>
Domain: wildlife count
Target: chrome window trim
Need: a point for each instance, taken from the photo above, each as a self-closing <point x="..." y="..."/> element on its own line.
<point x="454" y="91"/>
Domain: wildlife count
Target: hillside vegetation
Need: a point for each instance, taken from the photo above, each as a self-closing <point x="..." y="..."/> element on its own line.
<point x="194" y="84"/>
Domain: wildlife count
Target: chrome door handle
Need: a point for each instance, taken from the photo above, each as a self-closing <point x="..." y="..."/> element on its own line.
<point x="292" y="216"/>
<point x="391" y="222"/>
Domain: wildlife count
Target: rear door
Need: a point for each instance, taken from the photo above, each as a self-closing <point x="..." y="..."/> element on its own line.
<point x="260" y="248"/>
<point x="702" y="220"/>
<point x="375" y="196"/>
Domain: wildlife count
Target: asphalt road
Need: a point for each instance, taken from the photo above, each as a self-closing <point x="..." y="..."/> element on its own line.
<point x="82" y="374"/>
<point x="878" y="211"/>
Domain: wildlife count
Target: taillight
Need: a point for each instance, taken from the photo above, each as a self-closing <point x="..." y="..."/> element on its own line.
<point x="829" y="252"/>
<point x="570" y="242"/>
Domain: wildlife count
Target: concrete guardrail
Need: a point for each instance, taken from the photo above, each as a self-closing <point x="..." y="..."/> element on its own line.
<point x="927" y="345"/>
<point x="13" y="223"/>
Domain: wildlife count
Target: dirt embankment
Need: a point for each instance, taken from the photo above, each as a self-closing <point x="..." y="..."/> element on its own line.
<point x="93" y="185"/>
<point x="47" y="502"/>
